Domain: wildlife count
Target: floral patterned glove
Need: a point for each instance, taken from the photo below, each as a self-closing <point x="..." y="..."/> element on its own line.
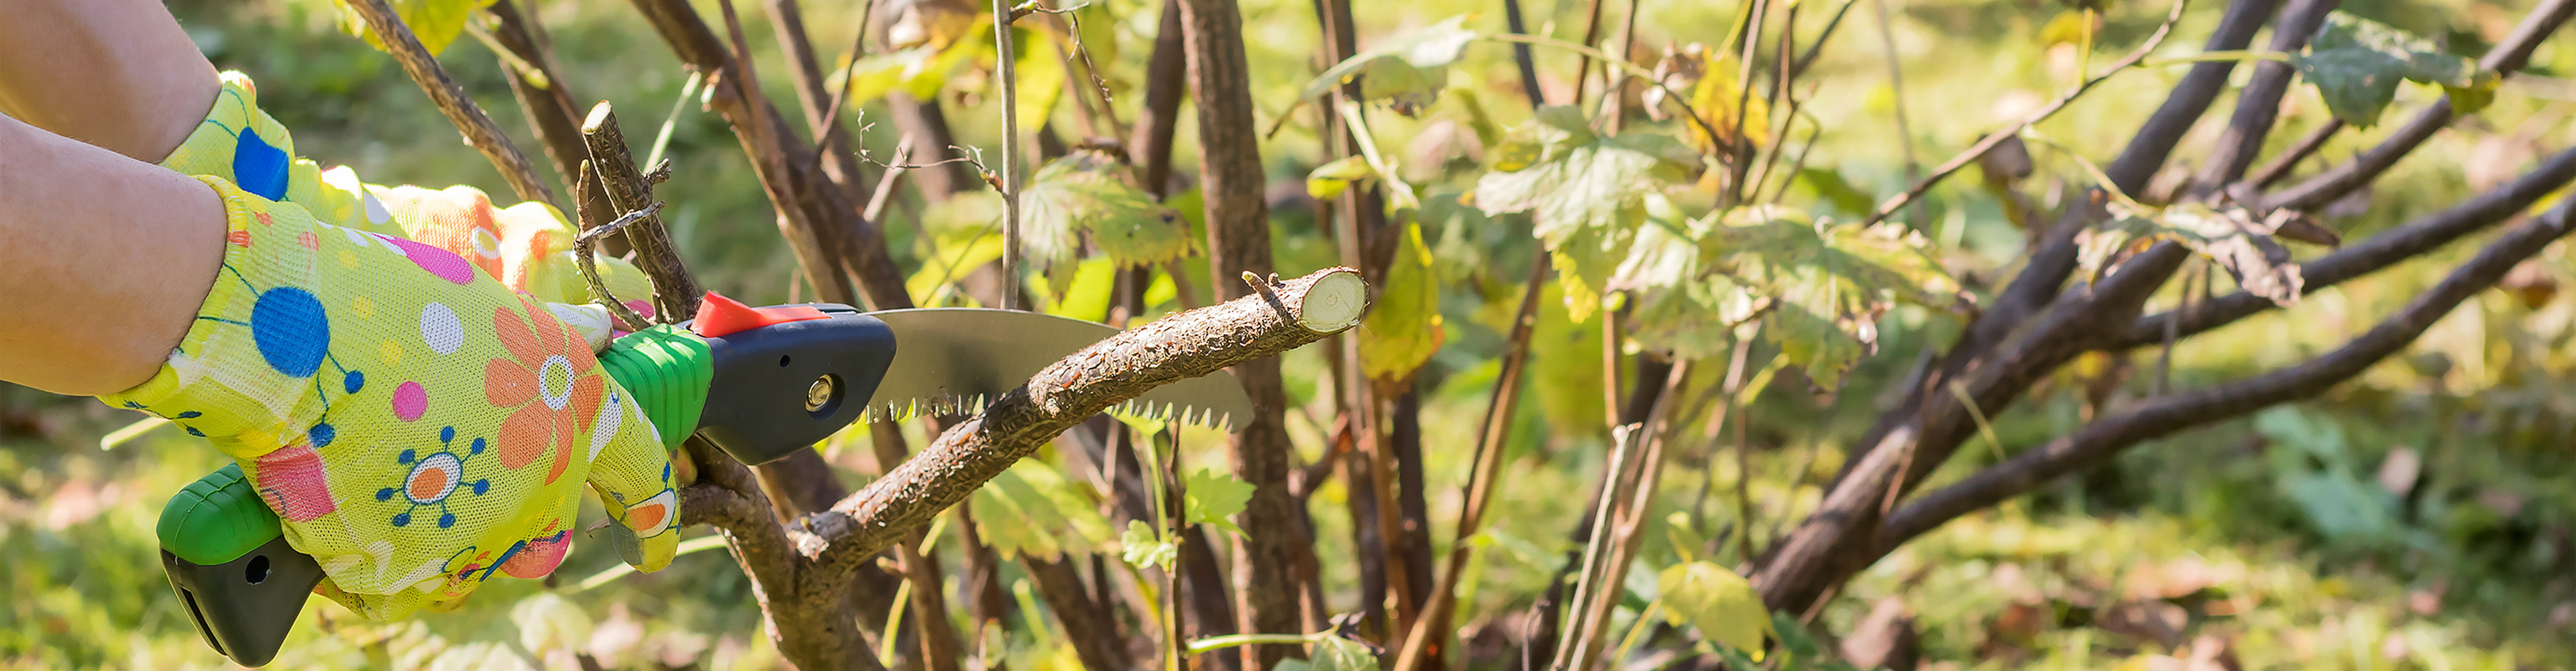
<point x="417" y="424"/>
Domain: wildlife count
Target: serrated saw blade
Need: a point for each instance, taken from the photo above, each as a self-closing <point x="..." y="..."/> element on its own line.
<point x="954" y="360"/>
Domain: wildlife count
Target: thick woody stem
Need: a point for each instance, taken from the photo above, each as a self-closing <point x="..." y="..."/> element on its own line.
<point x="478" y="128"/>
<point x="675" y="292"/>
<point x="1084" y="383"/>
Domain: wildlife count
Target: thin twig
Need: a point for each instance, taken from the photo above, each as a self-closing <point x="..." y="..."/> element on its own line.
<point x="1896" y="86"/>
<point x="1007" y="76"/>
<point x="582" y="245"/>
<point x="1996" y="138"/>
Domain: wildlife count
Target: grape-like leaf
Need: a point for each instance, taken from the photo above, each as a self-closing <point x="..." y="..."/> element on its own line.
<point x="1722" y="605"/>
<point x="1585" y="193"/>
<point x="434" y="22"/>
<point x="2355" y="64"/>
<point x="1679" y="308"/>
<point x="1089" y="192"/>
<point x="2230" y="237"/>
<point x="1404" y="328"/>
<point x="1143" y="548"/>
<point x="1214" y="498"/>
<point x="1825" y="285"/>
<point x="1407" y="71"/>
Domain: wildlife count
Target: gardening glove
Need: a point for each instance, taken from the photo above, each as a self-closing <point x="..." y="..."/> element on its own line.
<point x="417" y="426"/>
<point x="527" y="247"/>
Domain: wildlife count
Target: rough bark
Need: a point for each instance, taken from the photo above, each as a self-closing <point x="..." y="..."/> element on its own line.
<point x="1238" y="224"/>
<point x="800" y="572"/>
<point x="2259" y="103"/>
<point x="1166" y="78"/>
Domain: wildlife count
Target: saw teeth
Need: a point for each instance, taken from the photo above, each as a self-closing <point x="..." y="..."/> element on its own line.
<point x="950" y="406"/>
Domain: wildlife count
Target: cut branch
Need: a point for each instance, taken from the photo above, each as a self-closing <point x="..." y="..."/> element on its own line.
<point x="675" y="292"/>
<point x="1109" y="372"/>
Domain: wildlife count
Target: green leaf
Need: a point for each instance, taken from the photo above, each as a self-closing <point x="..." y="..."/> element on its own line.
<point x="2230" y="237"/>
<point x="436" y="23"/>
<point x="1033" y="510"/>
<point x="1089" y="192"/>
<point x="1585" y="193"/>
<point x="1406" y="71"/>
<point x="1328" y="181"/>
<point x="1830" y="185"/>
<point x="1403" y="329"/>
<point x="1722" y="605"/>
<point x="2356" y="63"/>
<point x="1213" y="499"/>
<point x="1680" y="308"/>
<point x="1824" y="286"/>
<point x="1142" y="548"/>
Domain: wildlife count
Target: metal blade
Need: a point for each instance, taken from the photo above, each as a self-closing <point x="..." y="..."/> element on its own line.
<point x="954" y="360"/>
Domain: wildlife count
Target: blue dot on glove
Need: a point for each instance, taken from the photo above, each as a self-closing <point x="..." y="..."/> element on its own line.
<point x="291" y="330"/>
<point x="258" y="167"/>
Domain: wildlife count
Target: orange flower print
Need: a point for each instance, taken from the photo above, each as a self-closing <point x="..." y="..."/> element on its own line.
<point x="551" y="383"/>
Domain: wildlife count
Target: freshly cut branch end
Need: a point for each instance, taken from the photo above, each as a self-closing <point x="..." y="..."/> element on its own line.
<point x="1334" y="302"/>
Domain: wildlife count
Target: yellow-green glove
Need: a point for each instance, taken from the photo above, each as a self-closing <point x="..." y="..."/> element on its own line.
<point x="417" y="426"/>
<point x="528" y="247"/>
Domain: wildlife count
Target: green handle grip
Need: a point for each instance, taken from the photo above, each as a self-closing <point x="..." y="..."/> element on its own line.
<point x="243" y="584"/>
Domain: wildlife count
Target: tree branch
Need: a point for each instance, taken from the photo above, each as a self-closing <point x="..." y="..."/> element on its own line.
<point x="1988" y="144"/>
<point x="2259" y="104"/>
<point x="2101" y="440"/>
<point x="2369" y="256"/>
<point x="1185" y="345"/>
<point x="2190" y="98"/>
<point x="478" y="128"/>
<point x="2506" y="58"/>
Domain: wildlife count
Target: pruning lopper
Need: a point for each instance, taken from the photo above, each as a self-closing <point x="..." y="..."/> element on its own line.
<point x="759" y="383"/>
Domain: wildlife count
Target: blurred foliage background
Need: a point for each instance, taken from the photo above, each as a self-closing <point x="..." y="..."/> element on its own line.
<point x="2418" y="517"/>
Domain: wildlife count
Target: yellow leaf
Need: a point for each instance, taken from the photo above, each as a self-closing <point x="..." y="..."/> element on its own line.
<point x="1403" y="329"/>
<point x="1714" y="98"/>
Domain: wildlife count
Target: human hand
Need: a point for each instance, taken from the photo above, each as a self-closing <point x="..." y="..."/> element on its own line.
<point x="416" y="426"/>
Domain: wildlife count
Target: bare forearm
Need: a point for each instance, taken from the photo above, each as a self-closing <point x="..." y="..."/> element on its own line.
<point x="119" y="74"/>
<point x="103" y="262"/>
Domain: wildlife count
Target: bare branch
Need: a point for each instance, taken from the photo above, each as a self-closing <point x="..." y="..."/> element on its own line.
<point x="2368" y="256"/>
<point x="2506" y="58"/>
<point x="2280" y="166"/>
<point x="1112" y="371"/>
<point x="2101" y="440"/>
<point x="2260" y="102"/>
<point x="478" y="128"/>
<point x="1991" y="140"/>
<point x="2190" y="98"/>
